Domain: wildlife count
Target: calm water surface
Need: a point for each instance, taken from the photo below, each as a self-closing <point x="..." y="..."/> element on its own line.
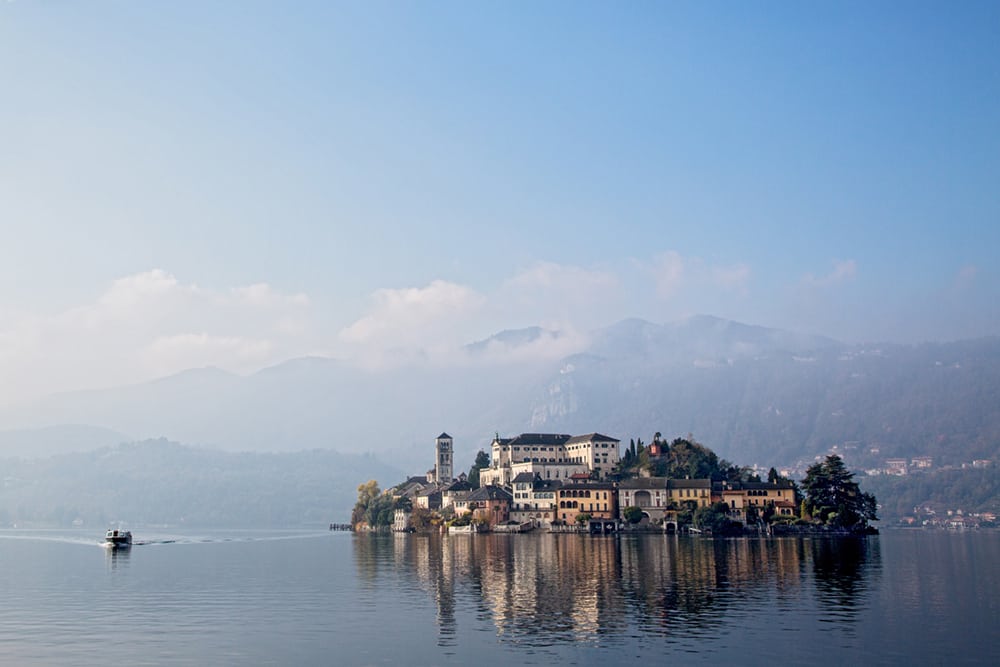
<point x="337" y="598"/>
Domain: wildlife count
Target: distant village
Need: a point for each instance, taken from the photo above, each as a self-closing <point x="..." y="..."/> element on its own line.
<point x="581" y="483"/>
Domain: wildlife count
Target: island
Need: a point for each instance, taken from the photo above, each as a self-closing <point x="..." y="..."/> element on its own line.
<point x="586" y="483"/>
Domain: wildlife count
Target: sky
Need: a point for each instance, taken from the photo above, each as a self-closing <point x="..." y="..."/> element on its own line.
<point x="234" y="184"/>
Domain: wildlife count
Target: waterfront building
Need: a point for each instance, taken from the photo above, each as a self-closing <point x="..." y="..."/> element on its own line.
<point x="401" y="521"/>
<point x="582" y="495"/>
<point x="490" y="504"/>
<point x="534" y="499"/>
<point x="740" y="496"/>
<point x="648" y="494"/>
<point x="693" y="493"/>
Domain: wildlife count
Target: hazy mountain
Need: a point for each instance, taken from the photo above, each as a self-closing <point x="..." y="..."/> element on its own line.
<point x="776" y="404"/>
<point x="753" y="394"/>
<point x="510" y="338"/>
<point x="158" y="482"/>
<point x="61" y="439"/>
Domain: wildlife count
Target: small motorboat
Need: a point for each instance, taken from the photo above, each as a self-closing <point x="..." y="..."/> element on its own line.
<point x="118" y="539"/>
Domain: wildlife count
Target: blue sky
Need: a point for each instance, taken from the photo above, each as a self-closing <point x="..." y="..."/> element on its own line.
<point x="235" y="183"/>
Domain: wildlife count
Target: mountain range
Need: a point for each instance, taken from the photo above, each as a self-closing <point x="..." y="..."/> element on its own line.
<point x="755" y="395"/>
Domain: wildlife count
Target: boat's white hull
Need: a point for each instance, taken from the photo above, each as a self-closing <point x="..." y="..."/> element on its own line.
<point x="118" y="539"/>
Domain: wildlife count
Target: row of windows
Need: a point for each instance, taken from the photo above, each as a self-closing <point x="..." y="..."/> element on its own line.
<point x="518" y="448"/>
<point x="573" y="504"/>
<point x="582" y="493"/>
<point x="538" y="494"/>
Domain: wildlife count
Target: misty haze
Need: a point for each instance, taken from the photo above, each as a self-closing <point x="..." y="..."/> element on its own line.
<point x="575" y="332"/>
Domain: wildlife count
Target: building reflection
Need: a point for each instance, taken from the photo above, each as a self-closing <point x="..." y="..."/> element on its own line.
<point x="559" y="588"/>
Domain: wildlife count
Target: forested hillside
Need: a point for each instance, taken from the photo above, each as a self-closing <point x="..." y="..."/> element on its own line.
<point x="163" y="483"/>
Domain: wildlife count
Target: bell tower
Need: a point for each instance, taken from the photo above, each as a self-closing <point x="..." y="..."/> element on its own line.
<point x="443" y="461"/>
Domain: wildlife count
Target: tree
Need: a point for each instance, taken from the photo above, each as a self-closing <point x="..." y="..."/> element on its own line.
<point x="833" y="496"/>
<point x="367" y="493"/>
<point x="420" y="519"/>
<point x="482" y="461"/>
<point x="632" y="514"/>
<point x="715" y="518"/>
<point x="583" y="519"/>
<point x="686" y="458"/>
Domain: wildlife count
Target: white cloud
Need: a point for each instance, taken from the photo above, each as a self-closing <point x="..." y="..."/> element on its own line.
<point x="433" y="323"/>
<point x="674" y="274"/>
<point x="843" y="271"/>
<point x="414" y="316"/>
<point x="556" y="295"/>
<point x="262" y="294"/>
<point x="550" y="345"/>
<point x="565" y="279"/>
<point x="734" y="277"/>
<point x="668" y="273"/>
<point x="167" y="354"/>
<point x="151" y="324"/>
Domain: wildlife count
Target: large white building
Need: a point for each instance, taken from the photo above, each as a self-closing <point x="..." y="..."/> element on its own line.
<point x="549" y="456"/>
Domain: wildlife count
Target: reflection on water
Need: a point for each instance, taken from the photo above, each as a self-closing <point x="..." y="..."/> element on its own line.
<point x="262" y="598"/>
<point x="845" y="570"/>
<point x="117" y="558"/>
<point x="547" y="590"/>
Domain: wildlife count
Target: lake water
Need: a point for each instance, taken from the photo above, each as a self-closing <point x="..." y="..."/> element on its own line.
<point x="302" y="598"/>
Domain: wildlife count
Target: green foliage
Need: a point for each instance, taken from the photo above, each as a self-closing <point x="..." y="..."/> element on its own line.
<point x="832" y="495"/>
<point x="375" y="508"/>
<point x="420" y="519"/>
<point x="482" y="461"/>
<point x="583" y="518"/>
<point x="971" y="490"/>
<point x="715" y="518"/>
<point x="687" y="458"/>
<point x="463" y="520"/>
<point x="632" y="514"/>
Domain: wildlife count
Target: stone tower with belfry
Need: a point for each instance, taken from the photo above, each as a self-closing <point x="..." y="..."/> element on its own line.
<point x="444" y="459"/>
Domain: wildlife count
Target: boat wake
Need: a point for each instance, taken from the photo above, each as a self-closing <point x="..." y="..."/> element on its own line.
<point x="42" y="536"/>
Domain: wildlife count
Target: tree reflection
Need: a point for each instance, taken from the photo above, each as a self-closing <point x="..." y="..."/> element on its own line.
<point x="843" y="568"/>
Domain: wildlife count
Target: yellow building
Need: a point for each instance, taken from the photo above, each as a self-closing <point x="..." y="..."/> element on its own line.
<point x="740" y="496"/>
